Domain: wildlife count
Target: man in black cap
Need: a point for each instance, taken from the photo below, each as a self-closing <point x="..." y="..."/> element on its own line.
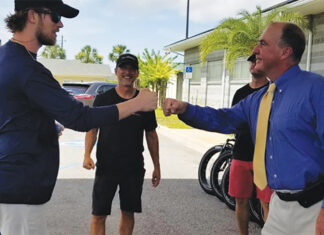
<point x="241" y="171"/>
<point x="30" y="100"/>
<point x="120" y="153"/>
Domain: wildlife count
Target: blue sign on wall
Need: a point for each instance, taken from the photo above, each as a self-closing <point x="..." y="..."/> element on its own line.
<point x="188" y="69"/>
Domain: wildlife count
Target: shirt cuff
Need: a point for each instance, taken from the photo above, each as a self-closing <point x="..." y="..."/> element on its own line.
<point x="188" y="113"/>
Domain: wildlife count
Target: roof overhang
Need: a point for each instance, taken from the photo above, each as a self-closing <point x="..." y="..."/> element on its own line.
<point x="306" y="7"/>
<point x="185" y="44"/>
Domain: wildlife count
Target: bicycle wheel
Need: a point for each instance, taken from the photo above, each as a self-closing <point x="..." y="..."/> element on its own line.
<point x="229" y="201"/>
<point x="217" y="173"/>
<point x="256" y="211"/>
<point x="205" y="166"/>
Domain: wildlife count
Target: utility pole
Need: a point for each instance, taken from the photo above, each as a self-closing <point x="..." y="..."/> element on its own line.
<point x="187" y="25"/>
<point x="62" y="41"/>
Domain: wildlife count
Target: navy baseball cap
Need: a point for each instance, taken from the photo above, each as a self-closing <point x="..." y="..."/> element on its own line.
<point x="54" y="5"/>
<point x="127" y="59"/>
<point x="252" y="58"/>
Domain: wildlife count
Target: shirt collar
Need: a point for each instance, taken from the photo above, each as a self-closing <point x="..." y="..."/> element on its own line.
<point x="287" y="77"/>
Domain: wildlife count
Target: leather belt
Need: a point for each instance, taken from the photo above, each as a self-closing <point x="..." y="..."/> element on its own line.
<point x="313" y="193"/>
<point x="288" y="196"/>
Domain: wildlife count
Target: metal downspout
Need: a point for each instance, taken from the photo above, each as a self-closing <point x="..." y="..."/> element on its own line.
<point x="309" y="44"/>
<point x="223" y="81"/>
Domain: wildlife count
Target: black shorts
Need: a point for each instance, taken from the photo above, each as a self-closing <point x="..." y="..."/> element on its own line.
<point x="130" y="193"/>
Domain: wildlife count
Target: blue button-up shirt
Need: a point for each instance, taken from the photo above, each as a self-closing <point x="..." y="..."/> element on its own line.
<point x="295" y="141"/>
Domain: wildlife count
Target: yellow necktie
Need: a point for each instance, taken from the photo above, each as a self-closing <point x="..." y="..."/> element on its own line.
<point x="260" y="175"/>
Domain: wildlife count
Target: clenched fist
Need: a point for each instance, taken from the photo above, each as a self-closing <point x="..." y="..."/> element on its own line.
<point x="88" y="163"/>
<point x="146" y="100"/>
<point x="173" y="106"/>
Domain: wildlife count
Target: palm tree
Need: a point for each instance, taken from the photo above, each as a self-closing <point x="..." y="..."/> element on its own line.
<point x="89" y="56"/>
<point x="117" y="51"/>
<point x="54" y="52"/>
<point x="238" y="36"/>
<point x="155" y="71"/>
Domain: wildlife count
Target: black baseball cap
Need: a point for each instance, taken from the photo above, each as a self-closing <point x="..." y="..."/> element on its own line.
<point x="127" y="59"/>
<point x="54" y="5"/>
<point x="252" y="58"/>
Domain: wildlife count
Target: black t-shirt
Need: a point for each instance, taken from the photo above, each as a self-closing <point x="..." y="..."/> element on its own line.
<point x="244" y="147"/>
<point x="120" y="146"/>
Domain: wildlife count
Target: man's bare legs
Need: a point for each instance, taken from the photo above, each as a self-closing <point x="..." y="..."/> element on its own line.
<point x="127" y="222"/>
<point x="98" y="225"/>
<point x="242" y="215"/>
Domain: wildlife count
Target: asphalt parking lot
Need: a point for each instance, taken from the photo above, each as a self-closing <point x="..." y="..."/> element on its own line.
<point x="177" y="207"/>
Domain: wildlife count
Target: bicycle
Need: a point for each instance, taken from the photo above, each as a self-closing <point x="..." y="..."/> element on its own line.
<point x="216" y="153"/>
<point x="219" y="167"/>
<point x="255" y="208"/>
<point x="219" y="179"/>
<point x="228" y="199"/>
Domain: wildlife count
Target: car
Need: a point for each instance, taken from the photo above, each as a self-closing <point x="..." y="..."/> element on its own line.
<point x="86" y="92"/>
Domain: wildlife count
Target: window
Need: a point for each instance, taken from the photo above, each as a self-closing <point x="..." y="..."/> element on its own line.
<point x="75" y="89"/>
<point x="241" y="70"/>
<point x="214" y="71"/>
<point x="104" y="88"/>
<point x="196" y="73"/>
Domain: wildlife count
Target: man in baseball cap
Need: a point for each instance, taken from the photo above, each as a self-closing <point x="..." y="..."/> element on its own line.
<point x="120" y="153"/>
<point x="28" y="176"/>
<point x="30" y="102"/>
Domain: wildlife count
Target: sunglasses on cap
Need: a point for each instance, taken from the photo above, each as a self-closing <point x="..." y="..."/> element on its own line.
<point x="55" y="16"/>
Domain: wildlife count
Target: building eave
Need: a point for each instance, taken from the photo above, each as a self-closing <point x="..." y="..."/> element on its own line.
<point x="190" y="42"/>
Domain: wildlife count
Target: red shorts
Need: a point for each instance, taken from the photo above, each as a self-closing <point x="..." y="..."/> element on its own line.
<point x="241" y="181"/>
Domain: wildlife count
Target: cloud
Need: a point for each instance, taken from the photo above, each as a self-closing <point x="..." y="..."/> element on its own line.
<point x="209" y="10"/>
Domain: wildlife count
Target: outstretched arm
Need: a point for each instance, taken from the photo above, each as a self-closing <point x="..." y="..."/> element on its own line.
<point x="153" y="146"/>
<point x="144" y="101"/>
<point x="90" y="140"/>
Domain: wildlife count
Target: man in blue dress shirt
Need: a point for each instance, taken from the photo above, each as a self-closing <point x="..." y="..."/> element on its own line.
<point x="294" y="155"/>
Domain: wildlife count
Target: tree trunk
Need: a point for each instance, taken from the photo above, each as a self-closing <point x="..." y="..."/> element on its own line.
<point x="162" y="92"/>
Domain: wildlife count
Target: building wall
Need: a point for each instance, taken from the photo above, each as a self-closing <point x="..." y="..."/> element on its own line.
<point x="171" y="91"/>
<point x="202" y="91"/>
<point x="317" y="51"/>
<point x="213" y="88"/>
<point x="214" y="94"/>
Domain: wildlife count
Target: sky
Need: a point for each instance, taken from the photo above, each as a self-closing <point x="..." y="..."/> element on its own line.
<point x="138" y="24"/>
